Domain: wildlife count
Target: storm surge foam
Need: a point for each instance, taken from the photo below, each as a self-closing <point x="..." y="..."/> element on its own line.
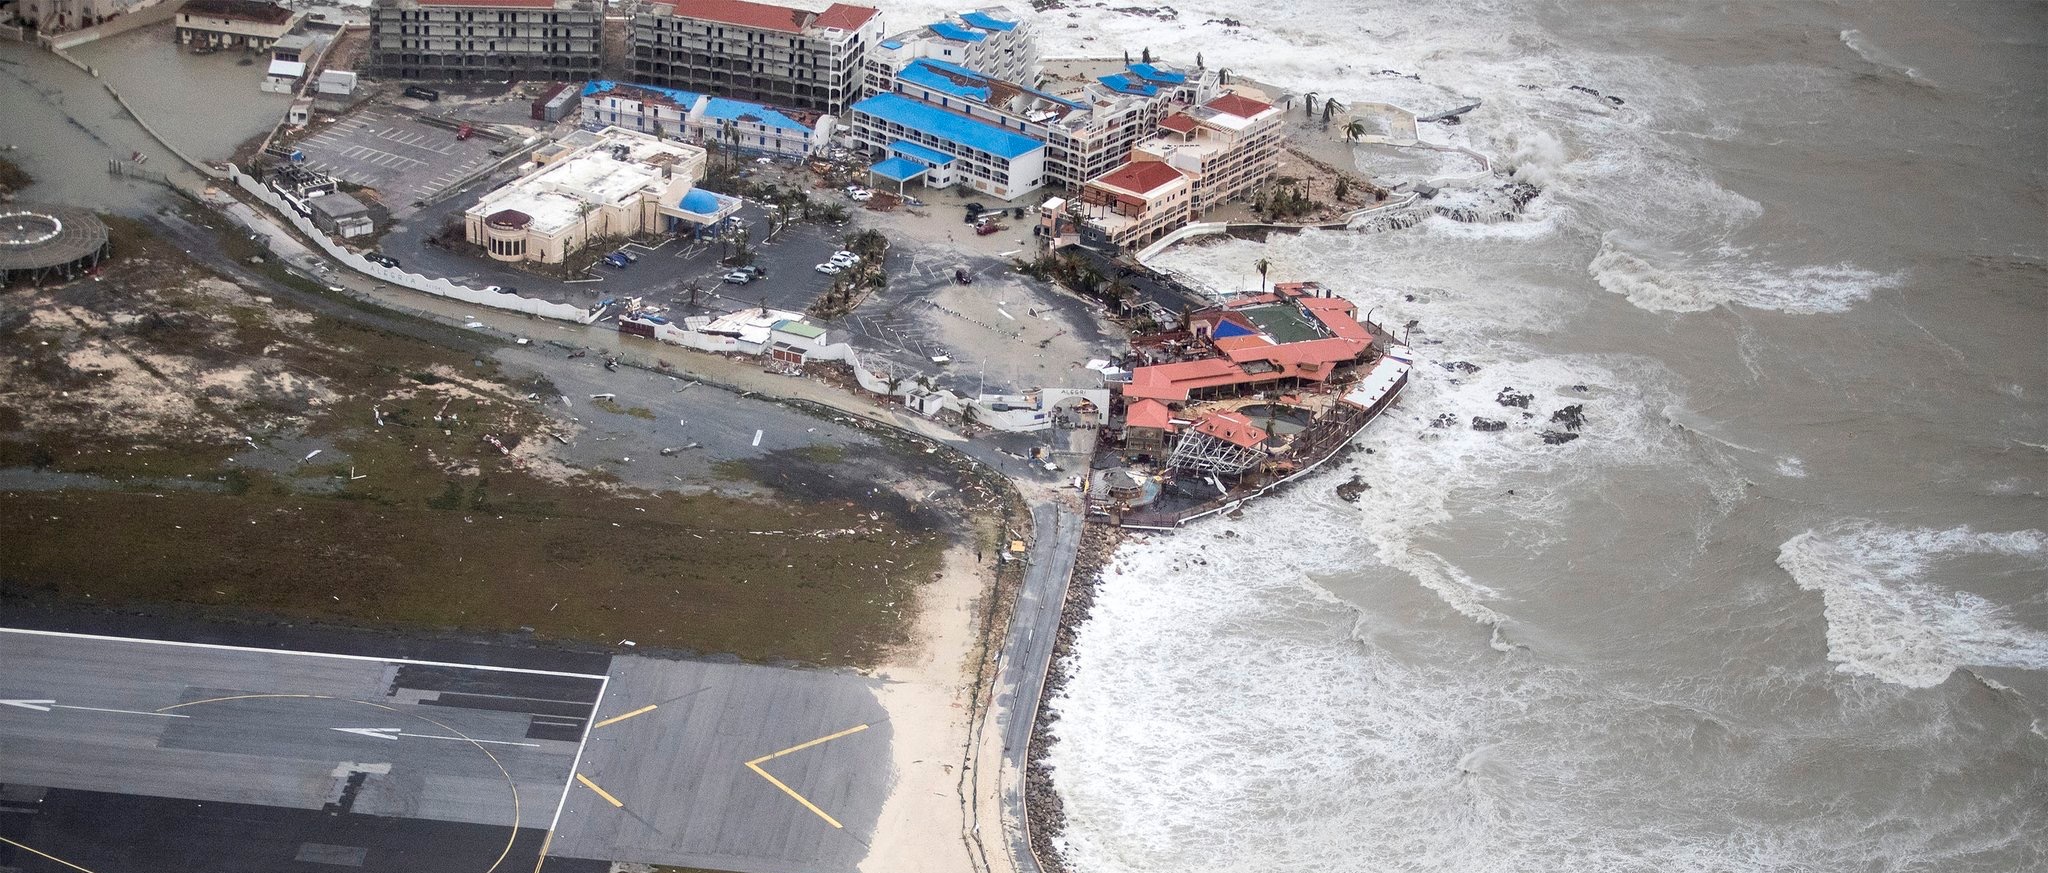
<point x="1888" y="618"/>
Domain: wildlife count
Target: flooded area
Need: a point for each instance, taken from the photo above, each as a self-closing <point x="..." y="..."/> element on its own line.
<point x="63" y="128"/>
<point x="205" y="104"/>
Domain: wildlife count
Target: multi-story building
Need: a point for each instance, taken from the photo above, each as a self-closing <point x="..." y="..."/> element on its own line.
<point x="705" y="120"/>
<point x="1087" y="132"/>
<point x="756" y="51"/>
<point x="485" y="40"/>
<point x="1226" y="146"/>
<point x="612" y="183"/>
<point x="994" y="41"/>
<point x="246" y="24"/>
<point x="1135" y="204"/>
<point x="58" y="16"/>
<point x="914" y="140"/>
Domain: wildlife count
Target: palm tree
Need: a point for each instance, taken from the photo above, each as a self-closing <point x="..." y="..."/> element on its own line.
<point x="1308" y="104"/>
<point x="1354" y="129"/>
<point x="1330" y="108"/>
<point x="894" y="382"/>
<point x="1263" y="264"/>
<point x="1223" y="76"/>
<point x="1198" y="60"/>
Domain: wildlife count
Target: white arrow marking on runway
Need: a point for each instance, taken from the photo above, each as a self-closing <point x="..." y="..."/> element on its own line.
<point x="47" y="705"/>
<point x="395" y="733"/>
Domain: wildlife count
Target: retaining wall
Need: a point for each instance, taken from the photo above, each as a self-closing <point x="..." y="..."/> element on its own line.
<point x="401" y="278"/>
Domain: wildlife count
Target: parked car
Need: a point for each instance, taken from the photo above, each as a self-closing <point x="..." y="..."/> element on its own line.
<point x="501" y="289"/>
<point x="418" y="93"/>
<point x="629" y="256"/>
<point x="987" y="227"/>
<point x="829" y="269"/>
<point x="740" y="277"/>
<point x="616" y="260"/>
<point x="381" y="259"/>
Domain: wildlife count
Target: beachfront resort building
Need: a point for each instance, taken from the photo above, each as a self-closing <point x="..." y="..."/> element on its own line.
<point x="1228" y="146"/>
<point x="1087" y="131"/>
<point x="914" y="141"/>
<point x="705" y="120"/>
<point x="485" y="40"/>
<point x="756" y="51"/>
<point x="995" y="41"/>
<point x="612" y="183"/>
<point x="1135" y="204"/>
<point x="1297" y="335"/>
<point x="254" y="25"/>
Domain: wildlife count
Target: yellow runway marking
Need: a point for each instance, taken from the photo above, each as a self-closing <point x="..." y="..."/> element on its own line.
<point x="755" y="765"/>
<point x="45" y="855"/>
<point x="608" y="798"/>
<point x="619" y="718"/>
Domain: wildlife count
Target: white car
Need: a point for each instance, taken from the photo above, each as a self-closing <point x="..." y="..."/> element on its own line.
<point x="845" y="257"/>
<point x="829" y="269"/>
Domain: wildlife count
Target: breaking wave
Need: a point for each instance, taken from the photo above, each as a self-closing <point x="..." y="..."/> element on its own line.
<point x="1878" y="57"/>
<point x="1729" y="278"/>
<point x="1888" y="616"/>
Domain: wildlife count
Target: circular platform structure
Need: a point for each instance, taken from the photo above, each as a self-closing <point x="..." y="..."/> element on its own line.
<point x="41" y="242"/>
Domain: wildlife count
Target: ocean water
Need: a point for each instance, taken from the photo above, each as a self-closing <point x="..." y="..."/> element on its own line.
<point x="1784" y="607"/>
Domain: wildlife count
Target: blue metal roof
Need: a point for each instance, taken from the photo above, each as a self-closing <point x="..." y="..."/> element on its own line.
<point x="682" y="98"/>
<point x="898" y="169"/>
<point x="986" y="21"/>
<point x="725" y="109"/>
<point x="945" y="76"/>
<point x="702" y="202"/>
<point x="1153" y="74"/>
<point x="1128" y="85"/>
<point x="950" y="30"/>
<point x="892" y="43"/>
<point x="931" y="157"/>
<point x="945" y="125"/>
<point x="925" y="73"/>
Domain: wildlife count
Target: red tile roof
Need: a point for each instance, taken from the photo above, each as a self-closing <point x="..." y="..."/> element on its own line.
<point x="1140" y="177"/>
<point x="1231" y="428"/>
<point x="1238" y="105"/>
<point x="1149" y="413"/>
<point x="1178" y="122"/>
<point x="761" y="16"/>
<point x="1174" y="381"/>
<point x="1339" y="316"/>
<point x="845" y="17"/>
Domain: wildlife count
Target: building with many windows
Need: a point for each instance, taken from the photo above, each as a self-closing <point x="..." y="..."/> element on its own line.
<point x="485" y="40"/>
<point x="1227" y="146"/>
<point x="915" y="141"/>
<point x="705" y="120"/>
<point x="756" y="51"/>
<point x="994" y="41"/>
<point x="1135" y="204"/>
<point x="1087" y="131"/>
<point x="613" y="183"/>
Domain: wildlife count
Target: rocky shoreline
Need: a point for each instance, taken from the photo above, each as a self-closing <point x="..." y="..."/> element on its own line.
<point x="1047" y="816"/>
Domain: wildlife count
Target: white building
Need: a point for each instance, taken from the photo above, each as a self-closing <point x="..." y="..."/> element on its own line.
<point x="995" y="41"/>
<point x="1227" y="146"/>
<point x="615" y="183"/>
<point x="246" y="24"/>
<point x="704" y="120"/>
<point x="756" y="51"/>
<point x="915" y="141"/>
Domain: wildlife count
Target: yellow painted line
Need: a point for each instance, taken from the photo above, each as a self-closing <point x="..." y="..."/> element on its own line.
<point x="619" y="718"/>
<point x="44" y="855"/>
<point x="543" y="857"/>
<point x="608" y="798"/>
<point x="798" y="748"/>
<point x="755" y="765"/>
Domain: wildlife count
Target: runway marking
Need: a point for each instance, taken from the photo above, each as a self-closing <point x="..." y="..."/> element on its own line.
<point x="121" y="711"/>
<point x="608" y="798"/>
<point x="755" y="765"/>
<point x="395" y="733"/>
<point x="619" y="718"/>
<point x="45" y="855"/>
<point x="103" y="638"/>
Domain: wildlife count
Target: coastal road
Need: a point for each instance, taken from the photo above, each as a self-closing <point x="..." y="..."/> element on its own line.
<point x="1027" y="653"/>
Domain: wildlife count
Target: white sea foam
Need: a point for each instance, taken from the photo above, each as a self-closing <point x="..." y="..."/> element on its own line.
<point x="1890" y="616"/>
<point x="1673" y="282"/>
<point x="1869" y="51"/>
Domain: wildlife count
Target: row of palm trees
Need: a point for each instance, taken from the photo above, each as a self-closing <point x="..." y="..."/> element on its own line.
<point x="1353" y="129"/>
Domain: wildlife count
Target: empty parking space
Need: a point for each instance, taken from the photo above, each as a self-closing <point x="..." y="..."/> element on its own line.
<point x="403" y="158"/>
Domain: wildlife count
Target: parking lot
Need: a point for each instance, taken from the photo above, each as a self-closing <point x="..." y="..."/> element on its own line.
<point x="390" y="150"/>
